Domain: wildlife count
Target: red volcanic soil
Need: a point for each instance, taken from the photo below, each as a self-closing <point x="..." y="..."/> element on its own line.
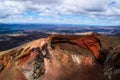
<point x="58" y="57"/>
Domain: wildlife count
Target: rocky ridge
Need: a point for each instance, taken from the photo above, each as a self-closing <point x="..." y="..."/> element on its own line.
<point x="62" y="57"/>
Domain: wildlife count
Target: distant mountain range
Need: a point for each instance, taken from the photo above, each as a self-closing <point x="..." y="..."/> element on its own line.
<point x="58" y="28"/>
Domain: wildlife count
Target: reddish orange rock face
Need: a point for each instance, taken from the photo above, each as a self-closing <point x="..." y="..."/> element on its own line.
<point x="54" y="58"/>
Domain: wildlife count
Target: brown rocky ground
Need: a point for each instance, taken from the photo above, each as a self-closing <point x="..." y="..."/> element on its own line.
<point x="61" y="57"/>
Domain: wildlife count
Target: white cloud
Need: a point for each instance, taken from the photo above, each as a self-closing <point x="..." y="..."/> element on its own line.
<point x="78" y="6"/>
<point x="8" y="8"/>
<point x="106" y="8"/>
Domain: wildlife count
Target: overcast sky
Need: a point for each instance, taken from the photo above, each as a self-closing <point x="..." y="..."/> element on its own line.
<point x="88" y="12"/>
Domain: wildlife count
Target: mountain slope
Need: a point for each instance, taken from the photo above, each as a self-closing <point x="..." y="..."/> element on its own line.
<point x="57" y="57"/>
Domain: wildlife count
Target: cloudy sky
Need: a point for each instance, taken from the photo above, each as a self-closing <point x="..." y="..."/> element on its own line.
<point x="88" y="12"/>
